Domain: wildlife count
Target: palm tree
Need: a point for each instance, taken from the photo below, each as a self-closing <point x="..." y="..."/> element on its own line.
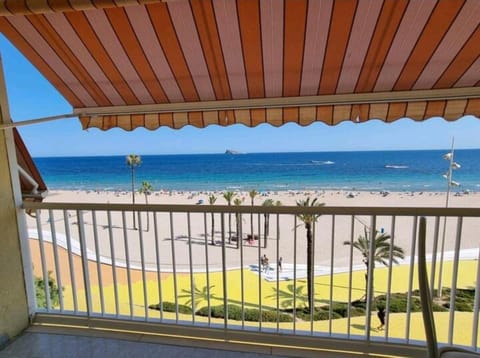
<point x="133" y="161"/>
<point x="238" y="202"/>
<point x="146" y="189"/>
<point x="381" y="251"/>
<point x="228" y="196"/>
<point x="266" y="223"/>
<point x="211" y="200"/>
<point x="252" y="193"/>
<point x="308" y="220"/>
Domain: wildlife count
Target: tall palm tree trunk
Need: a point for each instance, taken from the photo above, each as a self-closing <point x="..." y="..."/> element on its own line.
<point x="366" y="281"/>
<point x="213" y="228"/>
<point x="372" y="299"/>
<point x="238" y="221"/>
<point x="229" y="228"/>
<point x="266" y="230"/>
<point x="133" y="197"/>
<point x="308" y="226"/>
<point x="148" y="215"/>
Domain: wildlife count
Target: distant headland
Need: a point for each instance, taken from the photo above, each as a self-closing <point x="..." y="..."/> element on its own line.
<point x="231" y="151"/>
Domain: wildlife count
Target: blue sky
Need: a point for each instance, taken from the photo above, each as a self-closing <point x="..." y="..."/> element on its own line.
<point x="31" y="96"/>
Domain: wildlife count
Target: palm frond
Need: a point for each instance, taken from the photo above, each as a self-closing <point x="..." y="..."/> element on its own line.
<point x="382" y="247"/>
<point x="309" y="218"/>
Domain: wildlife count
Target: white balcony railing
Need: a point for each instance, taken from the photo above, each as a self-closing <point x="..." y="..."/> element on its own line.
<point x="107" y="268"/>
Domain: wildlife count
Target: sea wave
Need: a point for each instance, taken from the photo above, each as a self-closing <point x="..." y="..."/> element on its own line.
<point x="322" y="162"/>
<point x="392" y="166"/>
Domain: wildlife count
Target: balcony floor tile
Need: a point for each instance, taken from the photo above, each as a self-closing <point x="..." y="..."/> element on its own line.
<point x="46" y="345"/>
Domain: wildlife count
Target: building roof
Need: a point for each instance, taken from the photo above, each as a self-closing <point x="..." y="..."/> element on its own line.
<point x="201" y="62"/>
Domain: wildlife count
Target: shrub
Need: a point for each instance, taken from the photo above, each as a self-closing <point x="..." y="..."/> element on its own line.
<point x="341" y="308"/>
<point x="322" y="315"/>
<point x="356" y="312"/>
<point x="54" y="291"/>
<point x="460" y="306"/>
<point x="398" y="302"/>
<point x="468" y="294"/>
<point x="319" y="314"/>
<point x="170" y="307"/>
<point x="250" y="315"/>
<point x="463" y="307"/>
<point x="438" y="308"/>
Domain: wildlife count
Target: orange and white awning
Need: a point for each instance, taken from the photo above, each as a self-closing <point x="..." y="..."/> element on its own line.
<point x="200" y="62"/>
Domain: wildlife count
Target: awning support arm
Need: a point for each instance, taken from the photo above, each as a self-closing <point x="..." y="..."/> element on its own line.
<point x="27" y="176"/>
<point x="36" y="121"/>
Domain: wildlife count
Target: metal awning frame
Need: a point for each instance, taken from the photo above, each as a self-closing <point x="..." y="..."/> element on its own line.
<point x="463" y="93"/>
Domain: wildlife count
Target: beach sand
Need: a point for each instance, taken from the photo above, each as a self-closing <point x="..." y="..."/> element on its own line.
<point x="326" y="245"/>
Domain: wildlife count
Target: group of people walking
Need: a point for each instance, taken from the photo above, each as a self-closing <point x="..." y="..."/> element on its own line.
<point x="265" y="264"/>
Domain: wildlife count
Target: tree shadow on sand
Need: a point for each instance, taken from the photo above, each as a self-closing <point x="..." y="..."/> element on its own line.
<point x="287" y="296"/>
<point x="204" y="294"/>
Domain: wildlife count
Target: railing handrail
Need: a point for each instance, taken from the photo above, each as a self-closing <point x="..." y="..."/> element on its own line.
<point x="259" y="209"/>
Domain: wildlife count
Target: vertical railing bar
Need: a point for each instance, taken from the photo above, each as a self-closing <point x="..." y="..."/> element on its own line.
<point x="453" y="289"/>
<point x="350" y="275"/>
<point x="190" y="264"/>
<point x="312" y="284"/>
<point x="84" y="255"/>
<point x="278" y="272"/>
<point x="224" y="275"/>
<point x="434" y="256"/>
<point x="127" y="262"/>
<point x="55" y="258"/>
<point x="371" y="265"/>
<point x="260" y="273"/>
<point x="294" y="273"/>
<point x="410" y="277"/>
<point x="207" y="268"/>
<point x="389" y="279"/>
<point x="442" y="254"/>
<point x="242" y="276"/>
<point x="174" y="268"/>
<point x="476" y="307"/>
<point x="70" y="261"/>
<point x="251" y="229"/>
<point x="46" y="286"/>
<point x="99" y="263"/>
<point x="332" y="255"/>
<point x="157" y="256"/>
<point x="114" y="264"/>
<point x="142" y="263"/>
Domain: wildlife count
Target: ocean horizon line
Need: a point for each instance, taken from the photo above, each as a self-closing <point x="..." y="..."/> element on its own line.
<point x="244" y="153"/>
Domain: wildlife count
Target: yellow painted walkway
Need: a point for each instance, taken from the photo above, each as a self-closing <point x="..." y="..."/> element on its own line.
<point x="396" y="322"/>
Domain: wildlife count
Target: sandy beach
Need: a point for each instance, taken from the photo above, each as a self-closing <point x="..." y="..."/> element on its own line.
<point x="199" y="225"/>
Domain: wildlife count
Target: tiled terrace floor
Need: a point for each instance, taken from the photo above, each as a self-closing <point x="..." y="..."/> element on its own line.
<point x="47" y="345"/>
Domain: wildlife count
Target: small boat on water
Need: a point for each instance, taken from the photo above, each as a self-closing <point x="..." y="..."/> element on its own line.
<point x="322" y="162"/>
<point x="391" y="166"/>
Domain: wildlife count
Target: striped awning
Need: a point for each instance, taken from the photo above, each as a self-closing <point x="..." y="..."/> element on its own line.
<point x="149" y="63"/>
<point x="31" y="182"/>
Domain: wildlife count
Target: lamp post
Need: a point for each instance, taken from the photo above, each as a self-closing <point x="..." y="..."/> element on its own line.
<point x="450" y="183"/>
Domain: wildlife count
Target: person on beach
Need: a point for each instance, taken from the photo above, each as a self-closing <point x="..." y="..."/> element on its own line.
<point x="280" y="264"/>
<point x="381" y="317"/>
<point x="265" y="263"/>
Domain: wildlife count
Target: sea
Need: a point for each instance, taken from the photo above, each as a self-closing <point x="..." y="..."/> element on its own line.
<point x="410" y="170"/>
